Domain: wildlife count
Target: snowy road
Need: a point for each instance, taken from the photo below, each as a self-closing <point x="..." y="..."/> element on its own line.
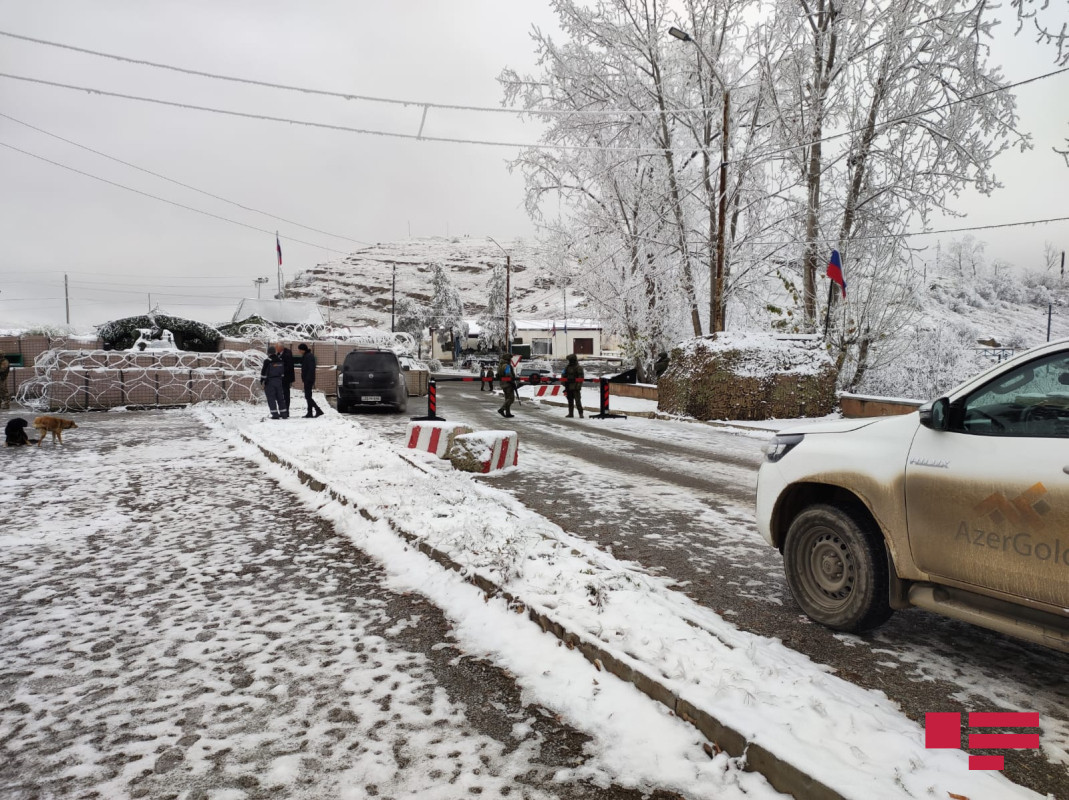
<point x="174" y="624"/>
<point x="678" y="499"/>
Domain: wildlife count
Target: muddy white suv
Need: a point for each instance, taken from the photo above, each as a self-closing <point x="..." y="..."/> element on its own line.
<point x="961" y="508"/>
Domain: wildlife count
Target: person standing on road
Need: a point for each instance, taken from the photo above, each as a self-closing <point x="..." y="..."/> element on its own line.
<point x="272" y="378"/>
<point x="5" y="393"/>
<point x="506" y="374"/>
<point x="287" y="362"/>
<point x="308" y="378"/>
<point x="573" y="385"/>
<point x="486" y="383"/>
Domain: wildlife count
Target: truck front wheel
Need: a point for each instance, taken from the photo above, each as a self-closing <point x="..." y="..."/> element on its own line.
<point x="836" y="569"/>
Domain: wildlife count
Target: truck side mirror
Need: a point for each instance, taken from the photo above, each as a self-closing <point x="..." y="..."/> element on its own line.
<point x="936" y="414"/>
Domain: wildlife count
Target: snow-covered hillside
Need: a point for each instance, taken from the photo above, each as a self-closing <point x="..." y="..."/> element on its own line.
<point x="962" y="325"/>
<point x="358" y="289"/>
<point x="937" y="346"/>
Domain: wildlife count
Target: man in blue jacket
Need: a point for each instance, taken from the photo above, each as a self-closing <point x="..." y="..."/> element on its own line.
<point x="272" y="378"/>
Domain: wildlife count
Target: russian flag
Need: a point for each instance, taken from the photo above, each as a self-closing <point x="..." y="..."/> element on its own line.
<point x="278" y="247"/>
<point x="835" y="271"/>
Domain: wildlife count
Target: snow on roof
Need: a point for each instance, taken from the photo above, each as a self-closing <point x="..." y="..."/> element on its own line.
<point x="475" y="329"/>
<point x="561" y="324"/>
<point x="282" y="312"/>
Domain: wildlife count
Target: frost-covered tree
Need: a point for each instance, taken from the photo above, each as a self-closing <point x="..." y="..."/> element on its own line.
<point x="446" y="312"/>
<point x="881" y="103"/>
<point x="492" y="320"/>
<point x="410" y="317"/>
<point x="847" y="121"/>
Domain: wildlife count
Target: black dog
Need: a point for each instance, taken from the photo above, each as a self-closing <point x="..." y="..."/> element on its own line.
<point x="15" y="432"/>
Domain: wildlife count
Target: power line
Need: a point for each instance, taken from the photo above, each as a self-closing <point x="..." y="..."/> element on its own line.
<point x="116" y="275"/>
<point x="346" y="95"/>
<point x="169" y="202"/>
<point x="328" y="126"/>
<point x="183" y="185"/>
<point x="522" y="145"/>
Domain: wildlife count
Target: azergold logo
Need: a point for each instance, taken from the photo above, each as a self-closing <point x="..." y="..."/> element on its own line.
<point x="1028" y="508"/>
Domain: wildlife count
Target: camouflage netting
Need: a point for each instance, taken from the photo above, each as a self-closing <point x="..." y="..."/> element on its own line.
<point x="188" y="334"/>
<point x="79" y="380"/>
<point x="749" y="377"/>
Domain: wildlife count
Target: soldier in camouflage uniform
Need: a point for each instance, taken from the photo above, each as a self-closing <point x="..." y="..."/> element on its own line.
<point x="5" y="392"/>
<point x="507" y="375"/>
<point x="573" y="385"/>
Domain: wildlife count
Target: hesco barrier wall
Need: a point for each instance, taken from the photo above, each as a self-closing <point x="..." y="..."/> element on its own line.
<point x="34" y="365"/>
<point x="84" y="380"/>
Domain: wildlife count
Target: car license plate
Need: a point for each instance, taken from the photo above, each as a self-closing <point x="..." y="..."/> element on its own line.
<point x="370" y="398"/>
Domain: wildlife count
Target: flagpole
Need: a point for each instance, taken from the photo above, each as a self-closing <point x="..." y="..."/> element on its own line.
<point x="827" y="314"/>
<point x="278" y="267"/>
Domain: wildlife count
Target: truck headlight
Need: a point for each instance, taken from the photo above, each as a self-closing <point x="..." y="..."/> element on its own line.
<point x="782" y="444"/>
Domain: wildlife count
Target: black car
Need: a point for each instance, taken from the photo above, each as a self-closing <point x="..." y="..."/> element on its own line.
<point x="371" y="378"/>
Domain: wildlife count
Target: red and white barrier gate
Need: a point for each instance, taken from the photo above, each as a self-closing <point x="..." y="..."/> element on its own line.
<point x="548" y="390"/>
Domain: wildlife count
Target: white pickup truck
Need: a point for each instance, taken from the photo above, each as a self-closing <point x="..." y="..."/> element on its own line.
<point x="961" y="508"/>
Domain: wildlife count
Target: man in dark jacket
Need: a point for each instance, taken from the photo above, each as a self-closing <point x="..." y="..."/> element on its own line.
<point x="308" y="378"/>
<point x="287" y="362"/>
<point x="5" y="392"/>
<point x="573" y="385"/>
<point x="272" y="378"/>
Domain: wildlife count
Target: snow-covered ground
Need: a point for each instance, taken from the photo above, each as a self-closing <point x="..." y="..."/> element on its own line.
<point x="253" y="638"/>
<point x="848" y="738"/>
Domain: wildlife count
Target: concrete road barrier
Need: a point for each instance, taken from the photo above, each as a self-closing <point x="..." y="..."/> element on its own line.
<point x="434" y="437"/>
<point x="485" y="451"/>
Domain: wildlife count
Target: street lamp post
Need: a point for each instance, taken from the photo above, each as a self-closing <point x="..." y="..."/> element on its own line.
<point x="508" y="293"/>
<point x="259" y="282"/>
<point x="716" y="283"/>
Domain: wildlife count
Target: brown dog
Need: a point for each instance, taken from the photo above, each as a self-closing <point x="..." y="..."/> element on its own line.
<point x="53" y="425"/>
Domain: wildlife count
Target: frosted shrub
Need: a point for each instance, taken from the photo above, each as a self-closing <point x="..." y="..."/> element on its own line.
<point x="938" y="358"/>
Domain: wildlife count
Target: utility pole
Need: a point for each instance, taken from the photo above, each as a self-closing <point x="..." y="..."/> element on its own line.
<point x="393" y="302"/>
<point x="508" y="294"/>
<point x="67" y="298"/>
<point x="259" y="282"/>
<point x="508" y="298"/>
<point x="717" y="315"/>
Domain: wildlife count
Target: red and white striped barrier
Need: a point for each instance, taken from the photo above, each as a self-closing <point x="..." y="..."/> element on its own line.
<point x="485" y="451"/>
<point x="434" y="437"/>
<point x="545" y="390"/>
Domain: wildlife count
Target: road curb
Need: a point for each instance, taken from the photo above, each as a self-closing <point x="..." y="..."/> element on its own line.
<point x="781" y="775"/>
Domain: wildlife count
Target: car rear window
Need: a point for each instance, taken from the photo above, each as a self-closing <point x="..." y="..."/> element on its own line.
<point x="371" y="362"/>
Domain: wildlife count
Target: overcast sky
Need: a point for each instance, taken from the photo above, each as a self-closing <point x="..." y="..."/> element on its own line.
<point x="118" y="246"/>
